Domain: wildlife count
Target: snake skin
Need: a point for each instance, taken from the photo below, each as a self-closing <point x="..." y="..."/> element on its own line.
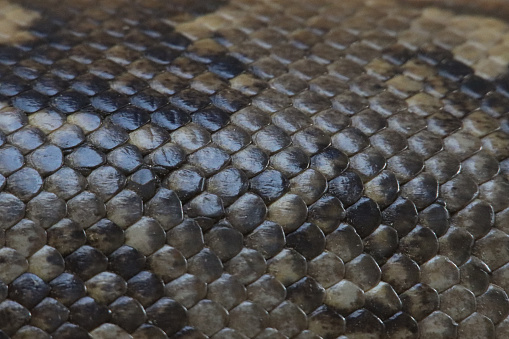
<point x="254" y="169"/>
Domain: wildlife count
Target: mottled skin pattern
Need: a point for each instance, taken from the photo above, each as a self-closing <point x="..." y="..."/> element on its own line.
<point x="254" y="169"/>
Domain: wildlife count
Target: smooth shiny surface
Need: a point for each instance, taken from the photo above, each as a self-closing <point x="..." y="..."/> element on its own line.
<point x="272" y="169"/>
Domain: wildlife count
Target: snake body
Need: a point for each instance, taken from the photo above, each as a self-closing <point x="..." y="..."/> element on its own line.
<point x="254" y="169"/>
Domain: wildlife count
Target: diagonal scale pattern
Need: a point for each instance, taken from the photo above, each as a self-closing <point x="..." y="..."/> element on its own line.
<point x="272" y="169"/>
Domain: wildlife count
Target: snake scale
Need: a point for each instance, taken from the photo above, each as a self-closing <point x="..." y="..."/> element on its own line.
<point x="254" y="169"/>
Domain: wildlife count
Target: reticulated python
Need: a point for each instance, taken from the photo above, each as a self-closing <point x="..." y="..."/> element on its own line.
<point x="254" y="169"/>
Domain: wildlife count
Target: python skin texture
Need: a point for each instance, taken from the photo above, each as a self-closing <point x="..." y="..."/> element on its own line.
<point x="265" y="169"/>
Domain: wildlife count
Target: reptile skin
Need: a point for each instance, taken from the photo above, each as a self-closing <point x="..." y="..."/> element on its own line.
<point x="254" y="169"/>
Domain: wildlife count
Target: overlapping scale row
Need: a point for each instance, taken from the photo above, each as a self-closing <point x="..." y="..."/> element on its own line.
<point x="280" y="169"/>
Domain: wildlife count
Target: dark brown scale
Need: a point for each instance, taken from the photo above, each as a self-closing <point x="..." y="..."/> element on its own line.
<point x="363" y="322"/>
<point x="382" y="243"/>
<point x="158" y="314"/>
<point x="28" y="290"/>
<point x="270" y="185"/>
<point x="312" y="140"/>
<point x="425" y="144"/>
<point x="169" y="117"/>
<point x="397" y="54"/>
<point x="212" y="119"/>
<point x="231" y="139"/>
<point x="25" y="183"/>
<point x="145" y="287"/>
<point x="383" y="301"/>
<point x="30" y="101"/>
<point x="226" y="242"/>
<point x="65" y="69"/>
<point x="27" y="139"/>
<point x="288" y="203"/>
<point x="43" y="315"/>
<point x="347" y="187"/>
<point x="142" y="182"/>
<point x="148" y="100"/>
<point x="67" y="136"/>
<point x="368" y="163"/>
<point x="290" y="161"/>
<point x="109" y="101"/>
<point x="13" y="85"/>
<point x="87" y="261"/>
<point x="126" y="159"/>
<point x="443" y="166"/>
<point x="310" y="102"/>
<point x="89" y="84"/>
<point x="144" y="69"/>
<point x="267" y="68"/>
<point x="427" y="188"/>
<point x="105" y="236"/>
<point x="268" y="238"/>
<point x="53" y="208"/>
<point x="150" y="331"/>
<point x="230" y="100"/>
<point x="106" y="69"/>
<point x="387" y="103"/>
<point x="69" y="329"/>
<point x="127" y="84"/>
<point x="453" y="70"/>
<point x="186" y="68"/>
<point x="67" y="288"/>
<point x="49" y="84"/>
<point x="388" y="142"/>
<point x="80" y="309"/>
<point x="191" y="137"/>
<point x="209" y="160"/>
<point x="308" y="240"/>
<point x="459" y="104"/>
<point x="271" y="101"/>
<point x="288" y="84"/>
<point x="331" y="162"/>
<point x="369" y="122"/>
<point x="127" y="313"/>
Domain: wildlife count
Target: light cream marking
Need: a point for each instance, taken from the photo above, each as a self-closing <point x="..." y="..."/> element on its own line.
<point x="486" y="45"/>
<point x="14" y="22"/>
